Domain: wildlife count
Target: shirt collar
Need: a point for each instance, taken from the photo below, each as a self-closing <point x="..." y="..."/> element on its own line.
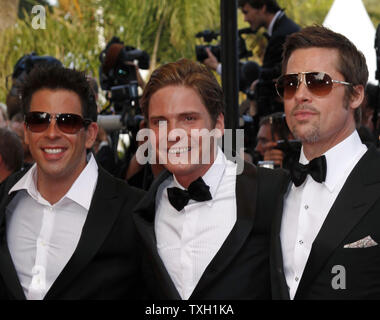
<point x="278" y="15"/>
<point x="83" y="188"/>
<point x="339" y="158"/>
<point x="28" y="183"/>
<point x="213" y="176"/>
<point x="80" y="192"/>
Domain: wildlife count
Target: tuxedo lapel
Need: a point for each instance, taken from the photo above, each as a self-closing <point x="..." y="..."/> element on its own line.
<point x="277" y="265"/>
<point x="358" y="194"/>
<point x="144" y="215"/>
<point x="7" y="268"/>
<point x="104" y="209"/>
<point x="246" y="193"/>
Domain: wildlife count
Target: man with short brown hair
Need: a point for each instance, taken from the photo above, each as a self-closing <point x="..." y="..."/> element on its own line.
<point x="325" y="240"/>
<point x="204" y="227"/>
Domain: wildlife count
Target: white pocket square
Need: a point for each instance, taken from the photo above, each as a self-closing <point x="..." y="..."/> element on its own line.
<point x="366" y="242"/>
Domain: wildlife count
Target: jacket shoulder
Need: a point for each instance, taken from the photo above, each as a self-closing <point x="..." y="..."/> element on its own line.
<point x="286" y="26"/>
<point x="8" y="183"/>
<point x="119" y="186"/>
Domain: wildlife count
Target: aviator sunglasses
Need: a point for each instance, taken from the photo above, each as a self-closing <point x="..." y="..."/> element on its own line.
<point x="318" y="83"/>
<point x="67" y="122"/>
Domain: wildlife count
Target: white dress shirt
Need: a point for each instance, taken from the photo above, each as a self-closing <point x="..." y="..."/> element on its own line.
<point x="42" y="237"/>
<point x="306" y="207"/>
<point x="188" y="240"/>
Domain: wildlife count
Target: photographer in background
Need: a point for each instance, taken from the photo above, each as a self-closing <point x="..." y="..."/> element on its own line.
<point x="14" y="81"/>
<point x="366" y="128"/>
<point x="275" y="141"/>
<point x="11" y="153"/>
<point x="268" y="14"/>
<point x="16" y="124"/>
<point x="120" y="77"/>
<point x="3" y="116"/>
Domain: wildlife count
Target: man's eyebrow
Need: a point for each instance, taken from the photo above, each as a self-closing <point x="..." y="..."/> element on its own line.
<point x="181" y="114"/>
<point x="190" y="113"/>
<point x="158" y="117"/>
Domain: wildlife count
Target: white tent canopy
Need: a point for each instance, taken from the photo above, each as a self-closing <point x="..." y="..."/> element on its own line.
<point x="350" y="18"/>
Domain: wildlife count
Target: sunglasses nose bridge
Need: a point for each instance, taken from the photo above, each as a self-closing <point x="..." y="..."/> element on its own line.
<point x="301" y="93"/>
<point x="52" y="125"/>
<point x="301" y="78"/>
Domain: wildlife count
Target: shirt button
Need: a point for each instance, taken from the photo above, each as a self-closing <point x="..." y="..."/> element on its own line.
<point x="306" y="207"/>
<point x="296" y="279"/>
<point x="300" y="242"/>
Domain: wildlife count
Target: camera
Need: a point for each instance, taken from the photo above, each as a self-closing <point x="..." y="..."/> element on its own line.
<point x="289" y="146"/>
<point x="118" y="76"/>
<point x="208" y="36"/>
<point x="249" y="71"/>
<point x="200" y="50"/>
<point x="117" y="73"/>
<point x="24" y="65"/>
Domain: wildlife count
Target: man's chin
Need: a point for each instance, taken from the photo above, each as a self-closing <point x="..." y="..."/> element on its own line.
<point x="183" y="169"/>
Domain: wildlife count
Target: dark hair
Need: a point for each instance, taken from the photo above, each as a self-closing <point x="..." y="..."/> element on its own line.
<point x="56" y="77"/>
<point x="190" y="74"/>
<point x="371" y="95"/>
<point x="11" y="150"/>
<point x="351" y="62"/>
<point x="3" y="112"/>
<point x="278" y="124"/>
<point x="271" y="5"/>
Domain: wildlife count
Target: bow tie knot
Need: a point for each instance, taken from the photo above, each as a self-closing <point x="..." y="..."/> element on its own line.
<point x="317" y="168"/>
<point x="198" y="190"/>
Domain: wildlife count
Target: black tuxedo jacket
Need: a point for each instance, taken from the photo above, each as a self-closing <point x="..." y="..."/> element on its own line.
<point x="354" y="215"/>
<point x="105" y="264"/>
<point x="273" y="53"/>
<point x="240" y="269"/>
<point x="271" y="68"/>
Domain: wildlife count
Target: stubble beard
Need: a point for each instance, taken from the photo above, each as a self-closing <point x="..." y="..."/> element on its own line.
<point x="311" y="135"/>
<point x="306" y="131"/>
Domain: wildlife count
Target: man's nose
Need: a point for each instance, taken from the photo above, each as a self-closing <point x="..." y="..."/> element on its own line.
<point x="52" y="130"/>
<point x="259" y="148"/>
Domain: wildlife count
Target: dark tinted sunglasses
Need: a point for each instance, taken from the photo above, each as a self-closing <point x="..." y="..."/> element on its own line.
<point x="318" y="83"/>
<point x="67" y="122"/>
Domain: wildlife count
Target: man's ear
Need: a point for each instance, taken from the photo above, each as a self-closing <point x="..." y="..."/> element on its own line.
<point x="357" y="98"/>
<point x="220" y="123"/>
<point x="91" y="133"/>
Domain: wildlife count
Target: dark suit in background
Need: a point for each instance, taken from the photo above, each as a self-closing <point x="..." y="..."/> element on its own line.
<point x="240" y="269"/>
<point x="271" y="68"/>
<point x="105" y="264"/>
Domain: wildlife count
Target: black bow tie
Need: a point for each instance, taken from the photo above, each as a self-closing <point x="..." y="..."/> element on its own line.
<point x="317" y="168"/>
<point x="198" y="190"/>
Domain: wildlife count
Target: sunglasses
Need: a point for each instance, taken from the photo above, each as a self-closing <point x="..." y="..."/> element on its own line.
<point x="318" y="83"/>
<point x="67" y="122"/>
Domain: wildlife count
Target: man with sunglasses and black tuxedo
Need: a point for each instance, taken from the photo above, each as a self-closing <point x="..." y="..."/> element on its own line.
<point x="66" y="228"/>
<point x="326" y="234"/>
